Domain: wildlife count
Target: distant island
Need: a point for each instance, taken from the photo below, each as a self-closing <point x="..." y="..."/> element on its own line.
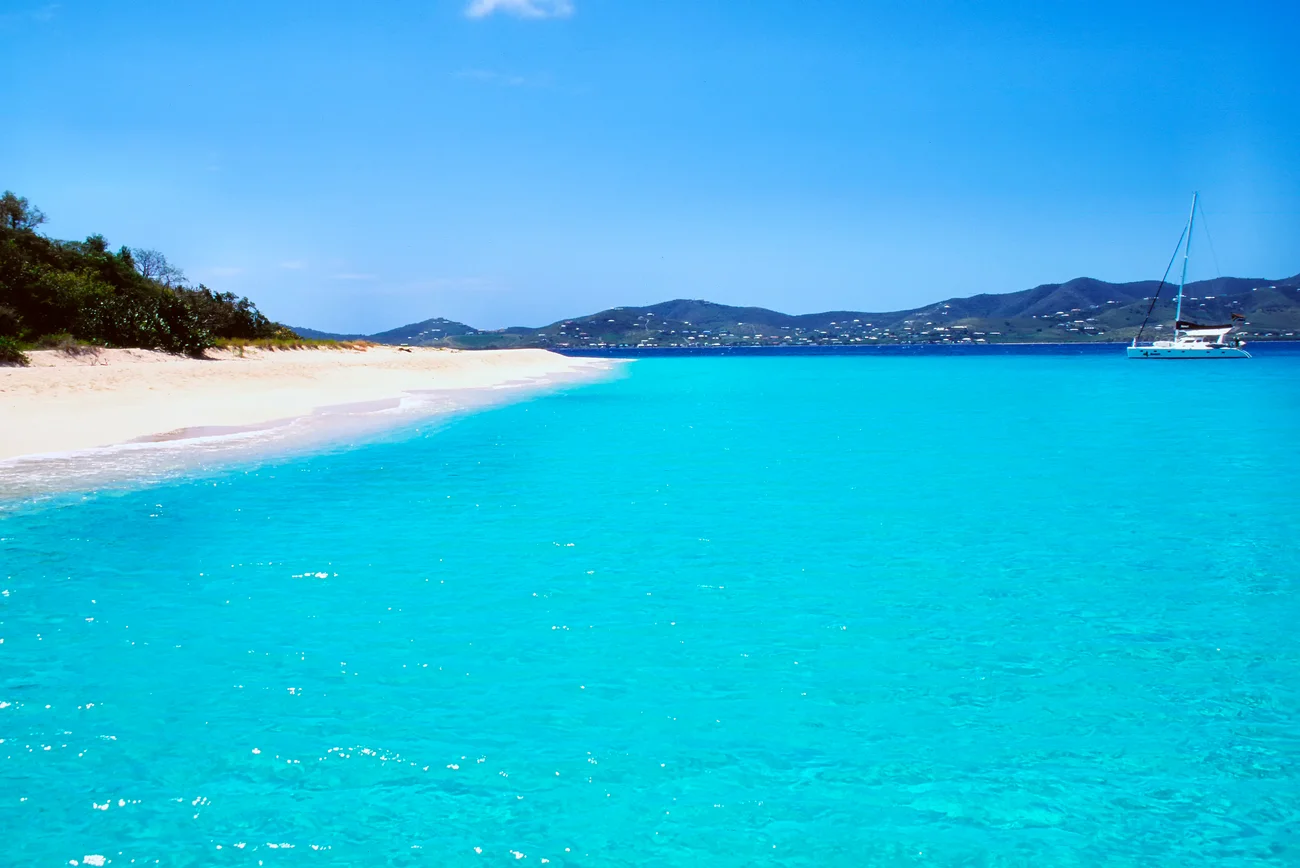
<point x="1080" y="310"/>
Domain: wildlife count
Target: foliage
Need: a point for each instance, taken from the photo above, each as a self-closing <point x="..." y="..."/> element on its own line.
<point x="10" y="322"/>
<point x="291" y="342"/>
<point x="228" y="316"/>
<point x="11" y="352"/>
<point x="131" y="298"/>
<point x="17" y="213"/>
<point x="152" y="265"/>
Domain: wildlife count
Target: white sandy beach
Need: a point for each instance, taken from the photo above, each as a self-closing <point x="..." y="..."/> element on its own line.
<point x="61" y="403"/>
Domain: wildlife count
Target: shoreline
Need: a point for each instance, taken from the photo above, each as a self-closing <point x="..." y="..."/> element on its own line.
<point x="82" y="422"/>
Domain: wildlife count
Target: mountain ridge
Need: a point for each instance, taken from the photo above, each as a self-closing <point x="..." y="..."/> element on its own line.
<point x="1081" y="309"/>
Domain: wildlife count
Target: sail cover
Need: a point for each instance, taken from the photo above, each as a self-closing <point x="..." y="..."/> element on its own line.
<point x="1187" y="325"/>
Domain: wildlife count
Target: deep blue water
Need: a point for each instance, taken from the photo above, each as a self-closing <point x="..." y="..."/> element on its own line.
<point x="1267" y="348"/>
<point x="1004" y="610"/>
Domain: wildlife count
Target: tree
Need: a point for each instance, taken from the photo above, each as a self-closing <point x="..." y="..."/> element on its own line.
<point x="10" y="322"/>
<point x="123" y="298"/>
<point x="152" y="265"/>
<point x="17" y="213"/>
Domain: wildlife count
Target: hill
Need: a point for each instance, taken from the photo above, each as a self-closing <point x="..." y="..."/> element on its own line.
<point x="1083" y="309"/>
<point x="429" y="332"/>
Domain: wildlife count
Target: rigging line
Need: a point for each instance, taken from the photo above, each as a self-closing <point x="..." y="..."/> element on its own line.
<point x="1151" y="306"/>
<point x="1205" y="224"/>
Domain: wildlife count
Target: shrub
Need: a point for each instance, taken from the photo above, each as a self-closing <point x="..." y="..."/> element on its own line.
<point x="11" y="325"/>
<point x="123" y="299"/>
<point x="11" y="353"/>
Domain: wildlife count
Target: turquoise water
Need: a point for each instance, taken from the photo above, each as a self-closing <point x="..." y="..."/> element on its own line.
<point x="828" y="611"/>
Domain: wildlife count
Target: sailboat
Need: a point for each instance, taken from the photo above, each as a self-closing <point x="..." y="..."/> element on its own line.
<point x="1191" y="340"/>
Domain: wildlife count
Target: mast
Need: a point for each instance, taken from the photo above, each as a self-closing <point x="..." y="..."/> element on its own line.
<point x="1187" y="252"/>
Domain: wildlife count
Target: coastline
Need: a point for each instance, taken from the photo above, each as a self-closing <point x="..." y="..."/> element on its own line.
<point x="75" y="422"/>
<point x="1026" y="348"/>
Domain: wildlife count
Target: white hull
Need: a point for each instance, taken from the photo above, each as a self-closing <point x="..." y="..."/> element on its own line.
<point x="1205" y="352"/>
<point x="1191" y="340"/>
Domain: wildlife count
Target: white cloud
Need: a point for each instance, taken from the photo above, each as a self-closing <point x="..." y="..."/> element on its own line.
<point x="520" y="8"/>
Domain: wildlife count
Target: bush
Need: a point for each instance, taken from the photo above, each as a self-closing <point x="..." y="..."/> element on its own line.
<point x="152" y="320"/>
<point x="122" y="299"/>
<point x="11" y="325"/>
<point x="226" y="315"/>
<point x="11" y="353"/>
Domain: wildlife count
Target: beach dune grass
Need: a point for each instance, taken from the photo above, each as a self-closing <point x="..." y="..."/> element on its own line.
<point x="14" y="351"/>
<point x="66" y="344"/>
<point x="288" y="343"/>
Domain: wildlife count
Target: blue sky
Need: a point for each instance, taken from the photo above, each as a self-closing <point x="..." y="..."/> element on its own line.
<point x="355" y="166"/>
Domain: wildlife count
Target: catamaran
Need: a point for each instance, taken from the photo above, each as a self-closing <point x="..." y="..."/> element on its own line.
<point x="1191" y="340"/>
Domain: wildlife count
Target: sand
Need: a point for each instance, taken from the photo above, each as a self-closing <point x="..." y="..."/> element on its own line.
<point x="63" y="403"/>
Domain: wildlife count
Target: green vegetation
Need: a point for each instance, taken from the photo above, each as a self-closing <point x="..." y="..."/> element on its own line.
<point x="289" y="343"/>
<point x="1082" y="310"/>
<point x="489" y="341"/>
<point x="11" y="352"/>
<point x="66" y="344"/>
<point x="69" y="293"/>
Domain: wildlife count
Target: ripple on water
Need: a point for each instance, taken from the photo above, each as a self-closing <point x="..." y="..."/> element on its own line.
<point x="859" y="634"/>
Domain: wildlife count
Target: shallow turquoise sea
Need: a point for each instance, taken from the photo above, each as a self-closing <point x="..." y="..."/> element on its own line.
<point x="1013" y="610"/>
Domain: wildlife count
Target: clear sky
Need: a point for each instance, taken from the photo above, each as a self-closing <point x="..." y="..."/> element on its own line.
<point x="355" y="166"/>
